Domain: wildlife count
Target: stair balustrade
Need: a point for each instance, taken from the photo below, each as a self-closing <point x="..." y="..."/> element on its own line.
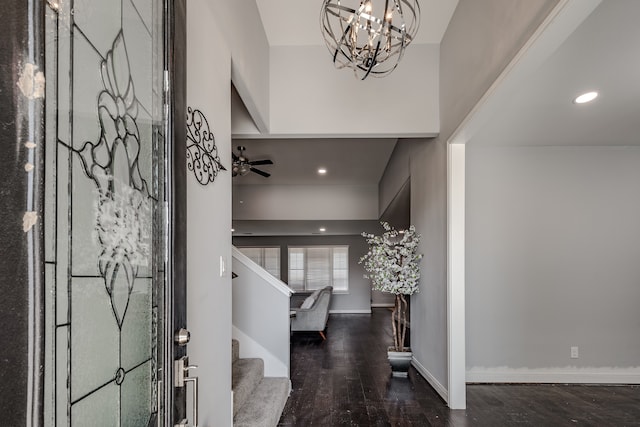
<point x="260" y="315"/>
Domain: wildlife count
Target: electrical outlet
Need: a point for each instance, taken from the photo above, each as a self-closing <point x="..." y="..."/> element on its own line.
<point x="574" y="352"/>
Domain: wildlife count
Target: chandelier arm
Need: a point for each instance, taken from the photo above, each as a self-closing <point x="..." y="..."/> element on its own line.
<point x="415" y="12"/>
<point x="340" y="7"/>
<point x="342" y="42"/>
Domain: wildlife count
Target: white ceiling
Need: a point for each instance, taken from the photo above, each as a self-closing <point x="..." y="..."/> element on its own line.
<point x="297" y="22"/>
<point x="603" y="54"/>
<point x="296" y="161"/>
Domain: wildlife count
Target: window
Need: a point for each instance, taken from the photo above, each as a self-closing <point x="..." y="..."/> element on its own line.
<point x="315" y="267"/>
<point x="267" y="258"/>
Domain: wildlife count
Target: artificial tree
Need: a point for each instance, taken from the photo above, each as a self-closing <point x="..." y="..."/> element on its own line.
<point x="392" y="264"/>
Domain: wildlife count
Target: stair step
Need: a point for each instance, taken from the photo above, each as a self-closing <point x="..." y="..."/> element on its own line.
<point x="235" y="350"/>
<point x="246" y="374"/>
<point x="264" y="406"/>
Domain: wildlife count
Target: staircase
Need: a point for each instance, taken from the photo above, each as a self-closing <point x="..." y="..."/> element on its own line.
<point x="258" y="401"/>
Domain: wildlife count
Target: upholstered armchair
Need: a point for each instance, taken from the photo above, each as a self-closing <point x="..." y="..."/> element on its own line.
<point x="310" y="311"/>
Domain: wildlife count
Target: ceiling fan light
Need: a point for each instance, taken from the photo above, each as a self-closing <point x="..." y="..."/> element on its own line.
<point x="242" y="165"/>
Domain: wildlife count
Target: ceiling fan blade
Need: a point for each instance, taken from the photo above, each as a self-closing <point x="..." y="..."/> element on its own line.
<point x="261" y="162"/>
<point x="259" y="172"/>
<point x="233" y="156"/>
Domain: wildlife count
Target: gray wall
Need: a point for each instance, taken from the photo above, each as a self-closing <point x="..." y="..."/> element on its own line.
<point x="553" y="251"/>
<point x="429" y="215"/>
<point x="327" y="106"/>
<point x="239" y="22"/>
<point x="358" y="299"/>
<point x="481" y="40"/>
<point x="396" y="174"/>
<point x="208" y="218"/>
<point x="305" y="202"/>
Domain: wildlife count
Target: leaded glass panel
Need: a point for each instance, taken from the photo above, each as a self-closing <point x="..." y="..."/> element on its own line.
<point x="104" y="211"/>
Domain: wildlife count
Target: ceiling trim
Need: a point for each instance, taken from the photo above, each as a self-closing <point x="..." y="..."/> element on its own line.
<point x="260" y="228"/>
<point x="333" y="135"/>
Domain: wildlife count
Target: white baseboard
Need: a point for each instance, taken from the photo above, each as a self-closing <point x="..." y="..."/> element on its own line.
<point x="442" y="390"/>
<point x="568" y="375"/>
<point x="350" y="311"/>
<point x="382" y="305"/>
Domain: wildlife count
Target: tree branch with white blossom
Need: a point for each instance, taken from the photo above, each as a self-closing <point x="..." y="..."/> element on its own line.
<point x="393" y="265"/>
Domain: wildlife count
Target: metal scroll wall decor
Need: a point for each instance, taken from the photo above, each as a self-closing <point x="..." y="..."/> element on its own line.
<point x="202" y="153"/>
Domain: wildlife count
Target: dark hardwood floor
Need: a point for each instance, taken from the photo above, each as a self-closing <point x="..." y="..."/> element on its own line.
<point x="346" y="381"/>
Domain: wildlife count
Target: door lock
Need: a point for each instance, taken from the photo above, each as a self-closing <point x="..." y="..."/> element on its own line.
<point x="182" y="337"/>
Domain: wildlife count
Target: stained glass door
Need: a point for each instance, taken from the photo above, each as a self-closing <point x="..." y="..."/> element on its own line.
<point x="104" y="212"/>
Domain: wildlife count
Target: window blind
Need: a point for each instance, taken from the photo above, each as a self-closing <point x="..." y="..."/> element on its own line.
<point x="315" y="267"/>
<point x="266" y="257"/>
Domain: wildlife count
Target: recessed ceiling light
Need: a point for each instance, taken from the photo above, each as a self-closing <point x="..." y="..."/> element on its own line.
<point x="233" y="229"/>
<point x="585" y="97"/>
<point x="322" y="171"/>
<point x="323" y="229"/>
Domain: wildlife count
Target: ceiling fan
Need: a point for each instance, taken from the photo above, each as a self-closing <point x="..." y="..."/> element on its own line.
<point x="242" y="165"/>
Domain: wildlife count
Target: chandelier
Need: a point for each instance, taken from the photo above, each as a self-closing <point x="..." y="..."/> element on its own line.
<point x="369" y="36"/>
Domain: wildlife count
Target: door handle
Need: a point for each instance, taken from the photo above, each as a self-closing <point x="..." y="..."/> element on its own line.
<point x="182" y="377"/>
<point x="194" y="380"/>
